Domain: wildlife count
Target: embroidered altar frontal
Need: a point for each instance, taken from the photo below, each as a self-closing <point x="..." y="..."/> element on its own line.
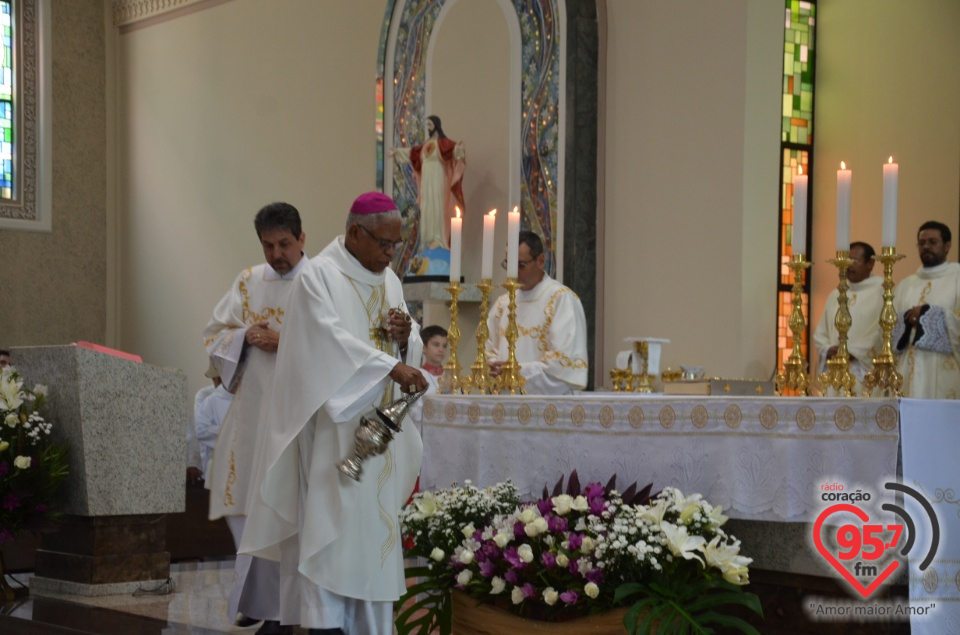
<point x="762" y="458"/>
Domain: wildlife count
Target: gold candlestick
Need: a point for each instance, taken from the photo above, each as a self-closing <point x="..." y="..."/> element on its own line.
<point x="884" y="374"/>
<point x="838" y="375"/>
<point x="450" y="380"/>
<point x="794" y="375"/>
<point x="510" y="377"/>
<point x="480" y="378"/>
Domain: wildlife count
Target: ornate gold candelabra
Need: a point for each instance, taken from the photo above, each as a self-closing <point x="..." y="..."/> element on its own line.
<point x="480" y="379"/>
<point x="794" y="375"/>
<point x="884" y="374"/>
<point x="838" y="375"/>
<point x="450" y="380"/>
<point x="510" y="377"/>
<point x="641" y="381"/>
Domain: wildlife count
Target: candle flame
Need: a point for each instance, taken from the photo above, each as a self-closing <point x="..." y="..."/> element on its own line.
<point x="801" y="171"/>
<point x="516" y="209"/>
<point x="457" y="210"/>
<point x="843" y="166"/>
<point x="890" y="160"/>
<point x="493" y="212"/>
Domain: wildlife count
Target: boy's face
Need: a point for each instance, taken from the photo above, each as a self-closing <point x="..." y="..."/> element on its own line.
<point x="436" y="350"/>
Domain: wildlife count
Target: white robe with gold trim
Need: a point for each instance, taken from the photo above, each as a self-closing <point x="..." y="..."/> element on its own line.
<point x="329" y="372"/>
<point x="552" y="340"/>
<point x="259" y="294"/>
<point x="928" y="373"/>
<point x="865" y="301"/>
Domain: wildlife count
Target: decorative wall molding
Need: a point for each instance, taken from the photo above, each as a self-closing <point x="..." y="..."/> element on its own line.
<point x="129" y="12"/>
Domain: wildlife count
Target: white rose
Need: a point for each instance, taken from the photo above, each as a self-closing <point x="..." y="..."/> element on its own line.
<point x="525" y="553"/>
<point x="497" y="585"/>
<point x="550" y="596"/>
<point x="437" y="554"/>
<point x="468" y="531"/>
<point x="562" y="504"/>
<point x="541" y="524"/>
<point x="516" y="595"/>
<point x="23" y="462"/>
<point x="587" y="545"/>
<point x="427" y="505"/>
<point x="580" y="504"/>
<point x="562" y="559"/>
<point x="527" y="515"/>
<point x="502" y="539"/>
<point x="465" y="576"/>
<point x="11" y="420"/>
<point x="591" y="589"/>
<point x="4" y="445"/>
<point x="466" y="556"/>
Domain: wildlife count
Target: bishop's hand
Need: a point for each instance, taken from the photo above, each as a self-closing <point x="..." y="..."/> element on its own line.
<point x="411" y="380"/>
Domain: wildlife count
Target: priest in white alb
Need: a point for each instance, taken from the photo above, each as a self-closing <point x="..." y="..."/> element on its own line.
<point x="346" y="342"/>
<point x="864" y="301"/>
<point x="241" y="339"/>
<point x="552" y="341"/>
<point x="927" y="334"/>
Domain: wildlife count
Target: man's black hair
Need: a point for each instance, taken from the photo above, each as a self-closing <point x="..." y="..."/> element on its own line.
<point x="278" y="216"/>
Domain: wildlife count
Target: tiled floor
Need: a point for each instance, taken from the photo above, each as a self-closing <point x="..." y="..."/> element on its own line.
<point x="194" y="603"/>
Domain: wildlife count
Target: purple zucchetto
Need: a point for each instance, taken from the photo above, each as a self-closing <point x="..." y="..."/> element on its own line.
<point x="372" y="203"/>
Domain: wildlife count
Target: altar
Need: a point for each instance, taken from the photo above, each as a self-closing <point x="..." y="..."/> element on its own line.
<point x="763" y="458"/>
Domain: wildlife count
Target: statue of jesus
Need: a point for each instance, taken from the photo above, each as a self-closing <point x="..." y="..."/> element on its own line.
<point x="438" y="165"/>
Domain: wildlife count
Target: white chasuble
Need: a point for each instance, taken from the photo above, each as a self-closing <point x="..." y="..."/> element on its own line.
<point x="865" y="301"/>
<point x="333" y="367"/>
<point x="931" y="365"/>
<point x="552" y="339"/>
<point x="258" y="295"/>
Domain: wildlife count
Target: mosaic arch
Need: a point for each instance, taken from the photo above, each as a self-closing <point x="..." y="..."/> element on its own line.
<point x="559" y="43"/>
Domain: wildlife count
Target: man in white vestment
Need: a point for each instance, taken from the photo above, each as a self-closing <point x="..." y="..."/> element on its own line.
<point x="864" y="301"/>
<point x="552" y="342"/>
<point x="927" y="334"/>
<point x="242" y="339"/>
<point x="345" y="334"/>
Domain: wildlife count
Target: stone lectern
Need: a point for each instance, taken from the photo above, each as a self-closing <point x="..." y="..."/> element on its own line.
<point x="125" y="423"/>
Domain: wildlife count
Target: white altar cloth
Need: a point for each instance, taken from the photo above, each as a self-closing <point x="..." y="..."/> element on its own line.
<point x="761" y="458"/>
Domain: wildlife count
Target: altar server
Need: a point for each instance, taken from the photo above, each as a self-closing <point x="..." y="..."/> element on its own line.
<point x="864" y="301"/>
<point x="242" y="339"/>
<point x="552" y="342"/>
<point x="928" y="329"/>
<point x="346" y="340"/>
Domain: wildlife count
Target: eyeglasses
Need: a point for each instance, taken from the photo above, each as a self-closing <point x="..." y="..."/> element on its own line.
<point x="521" y="264"/>
<point x="385" y="245"/>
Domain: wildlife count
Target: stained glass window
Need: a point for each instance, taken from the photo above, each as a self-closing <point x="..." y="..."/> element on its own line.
<point x="796" y="151"/>
<point x="6" y="101"/>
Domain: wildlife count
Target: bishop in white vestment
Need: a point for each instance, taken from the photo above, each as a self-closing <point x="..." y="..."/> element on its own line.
<point x="927" y="335"/>
<point x="864" y="301"/>
<point x="241" y="339"/>
<point x="339" y="360"/>
<point x="552" y="340"/>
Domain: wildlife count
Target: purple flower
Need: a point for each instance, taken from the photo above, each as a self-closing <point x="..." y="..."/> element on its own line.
<point x="597" y="505"/>
<point x="11" y="501"/>
<point x="518" y="531"/>
<point x="548" y="559"/>
<point x="511" y="576"/>
<point x="511" y="556"/>
<point x="529" y="591"/>
<point x="595" y="576"/>
<point x="490" y="550"/>
<point x="487" y="569"/>
<point x="569" y="597"/>
<point x="594" y="490"/>
<point x="545" y="506"/>
<point x="574" y="567"/>
<point x="556" y="524"/>
<point x="575" y="541"/>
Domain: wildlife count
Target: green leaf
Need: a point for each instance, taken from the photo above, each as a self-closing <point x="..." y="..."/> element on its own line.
<point x="730" y="621"/>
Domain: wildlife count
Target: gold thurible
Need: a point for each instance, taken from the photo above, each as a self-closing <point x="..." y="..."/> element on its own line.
<point x="450" y="380"/>
<point x="510" y="377"/>
<point x="480" y="379"/>
<point x="884" y="375"/>
<point x="794" y="375"/>
<point x="838" y="375"/>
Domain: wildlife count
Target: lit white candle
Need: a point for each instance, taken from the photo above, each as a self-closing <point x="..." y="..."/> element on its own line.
<point x="843" y="207"/>
<point x="456" y="227"/>
<point x="486" y="259"/>
<point x="799" y="240"/>
<point x="891" y="173"/>
<point x="513" y="241"/>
